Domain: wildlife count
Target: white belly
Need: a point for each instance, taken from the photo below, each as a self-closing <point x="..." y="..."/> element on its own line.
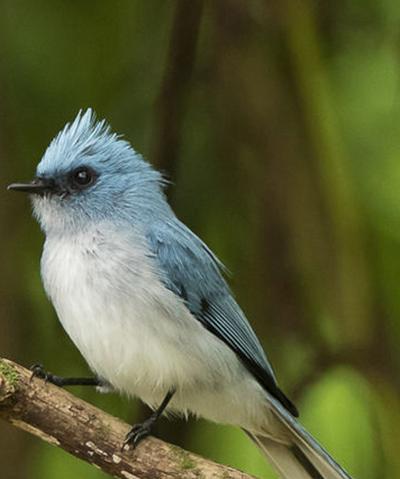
<point x="139" y="336"/>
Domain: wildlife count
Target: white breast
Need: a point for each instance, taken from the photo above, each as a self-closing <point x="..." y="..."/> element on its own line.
<point x="127" y="325"/>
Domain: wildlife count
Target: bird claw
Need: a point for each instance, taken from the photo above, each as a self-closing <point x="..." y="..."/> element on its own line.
<point x="38" y="371"/>
<point x="138" y="433"/>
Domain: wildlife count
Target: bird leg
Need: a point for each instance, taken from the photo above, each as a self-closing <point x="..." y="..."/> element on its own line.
<point x="39" y="372"/>
<point x="142" y="430"/>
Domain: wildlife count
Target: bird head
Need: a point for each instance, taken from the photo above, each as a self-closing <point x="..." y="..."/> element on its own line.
<point x="89" y="174"/>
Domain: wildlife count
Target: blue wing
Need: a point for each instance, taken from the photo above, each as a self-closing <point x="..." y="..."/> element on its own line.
<point x="193" y="272"/>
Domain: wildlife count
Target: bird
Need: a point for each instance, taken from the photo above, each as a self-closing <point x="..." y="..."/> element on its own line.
<point x="146" y="301"/>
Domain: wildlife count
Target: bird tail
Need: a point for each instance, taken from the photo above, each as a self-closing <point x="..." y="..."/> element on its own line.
<point x="299" y="456"/>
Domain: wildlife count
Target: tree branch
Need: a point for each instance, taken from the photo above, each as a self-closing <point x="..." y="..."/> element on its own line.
<point x="61" y="419"/>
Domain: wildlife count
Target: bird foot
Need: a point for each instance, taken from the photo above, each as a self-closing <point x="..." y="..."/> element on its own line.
<point x="38" y="371"/>
<point x="138" y="433"/>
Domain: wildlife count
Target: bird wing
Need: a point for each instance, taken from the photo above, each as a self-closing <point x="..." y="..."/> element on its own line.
<point x="193" y="272"/>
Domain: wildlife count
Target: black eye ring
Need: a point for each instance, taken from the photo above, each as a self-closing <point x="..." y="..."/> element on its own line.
<point x="82" y="177"/>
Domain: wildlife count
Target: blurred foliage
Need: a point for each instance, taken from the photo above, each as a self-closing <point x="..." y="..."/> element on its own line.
<point x="279" y="124"/>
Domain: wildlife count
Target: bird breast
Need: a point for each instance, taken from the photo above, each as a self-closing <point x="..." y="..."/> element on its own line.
<point x="132" y="331"/>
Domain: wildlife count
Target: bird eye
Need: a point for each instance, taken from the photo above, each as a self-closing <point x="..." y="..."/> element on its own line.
<point x="82" y="177"/>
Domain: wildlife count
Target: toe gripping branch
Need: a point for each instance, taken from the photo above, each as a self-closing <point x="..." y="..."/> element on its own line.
<point x="142" y="430"/>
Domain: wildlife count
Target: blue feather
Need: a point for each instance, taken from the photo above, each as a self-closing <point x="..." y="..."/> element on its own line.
<point x="193" y="272"/>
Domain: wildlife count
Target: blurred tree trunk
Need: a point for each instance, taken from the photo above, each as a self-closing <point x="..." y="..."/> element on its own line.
<point x="175" y="85"/>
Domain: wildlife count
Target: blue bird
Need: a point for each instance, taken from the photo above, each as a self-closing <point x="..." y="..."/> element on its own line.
<point x="145" y="301"/>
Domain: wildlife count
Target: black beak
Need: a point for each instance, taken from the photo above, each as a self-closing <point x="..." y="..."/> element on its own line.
<point x="36" y="186"/>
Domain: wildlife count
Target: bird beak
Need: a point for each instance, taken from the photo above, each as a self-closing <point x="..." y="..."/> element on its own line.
<point x="36" y="186"/>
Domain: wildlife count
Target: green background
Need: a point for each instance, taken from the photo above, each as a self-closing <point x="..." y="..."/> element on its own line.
<point x="278" y="123"/>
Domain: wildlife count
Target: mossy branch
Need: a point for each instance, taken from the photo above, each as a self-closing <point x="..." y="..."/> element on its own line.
<point x="59" y="418"/>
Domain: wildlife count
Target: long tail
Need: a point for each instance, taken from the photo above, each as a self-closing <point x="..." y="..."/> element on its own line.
<point x="300" y="457"/>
